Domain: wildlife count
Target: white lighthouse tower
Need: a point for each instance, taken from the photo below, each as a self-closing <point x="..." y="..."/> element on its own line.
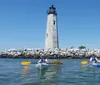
<point x="51" y="40"/>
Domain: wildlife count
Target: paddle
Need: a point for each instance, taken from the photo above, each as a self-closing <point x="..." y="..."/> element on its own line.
<point x="28" y="63"/>
<point x="84" y="62"/>
<point x="99" y="61"/>
<point x="56" y="63"/>
<point x="25" y="62"/>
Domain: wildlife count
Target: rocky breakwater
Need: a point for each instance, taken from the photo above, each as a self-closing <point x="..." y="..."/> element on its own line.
<point x="50" y="53"/>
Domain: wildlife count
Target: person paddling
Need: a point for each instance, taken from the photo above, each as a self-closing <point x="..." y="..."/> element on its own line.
<point x="93" y="59"/>
<point x="43" y="60"/>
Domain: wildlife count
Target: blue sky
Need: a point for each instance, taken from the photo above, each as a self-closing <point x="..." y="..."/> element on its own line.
<point x="23" y="23"/>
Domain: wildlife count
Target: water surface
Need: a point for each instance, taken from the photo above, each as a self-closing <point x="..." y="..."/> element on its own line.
<point x="71" y="72"/>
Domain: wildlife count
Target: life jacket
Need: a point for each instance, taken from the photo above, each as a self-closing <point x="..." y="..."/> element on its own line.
<point x="42" y="61"/>
<point x="94" y="60"/>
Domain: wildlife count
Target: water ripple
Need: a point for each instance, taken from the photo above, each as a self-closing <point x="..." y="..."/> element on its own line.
<point x="71" y="72"/>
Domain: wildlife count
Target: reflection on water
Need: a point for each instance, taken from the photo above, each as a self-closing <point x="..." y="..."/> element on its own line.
<point x="71" y="72"/>
<point x="44" y="77"/>
<point x="48" y="76"/>
<point x="25" y="70"/>
<point x="50" y="72"/>
<point x="90" y="73"/>
<point x="90" y="67"/>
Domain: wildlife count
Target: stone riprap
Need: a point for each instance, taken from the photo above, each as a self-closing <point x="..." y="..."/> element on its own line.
<point x="50" y="53"/>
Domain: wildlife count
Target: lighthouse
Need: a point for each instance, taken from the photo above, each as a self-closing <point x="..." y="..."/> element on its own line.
<point x="51" y="41"/>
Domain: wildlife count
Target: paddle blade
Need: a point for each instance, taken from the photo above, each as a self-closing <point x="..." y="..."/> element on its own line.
<point x="98" y="60"/>
<point x="57" y="63"/>
<point x="84" y="62"/>
<point x="25" y="63"/>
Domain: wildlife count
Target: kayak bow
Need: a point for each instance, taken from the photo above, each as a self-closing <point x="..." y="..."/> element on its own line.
<point x="42" y="65"/>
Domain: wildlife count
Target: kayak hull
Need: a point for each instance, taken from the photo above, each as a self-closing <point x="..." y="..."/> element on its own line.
<point x="42" y="65"/>
<point x="96" y="64"/>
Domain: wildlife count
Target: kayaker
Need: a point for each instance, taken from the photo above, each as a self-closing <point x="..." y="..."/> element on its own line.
<point x="43" y="60"/>
<point x="93" y="59"/>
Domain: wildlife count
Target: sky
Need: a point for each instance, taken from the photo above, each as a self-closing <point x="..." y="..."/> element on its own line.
<point x="23" y="23"/>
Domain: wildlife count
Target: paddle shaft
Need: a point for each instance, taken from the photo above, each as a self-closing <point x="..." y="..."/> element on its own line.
<point x="28" y="63"/>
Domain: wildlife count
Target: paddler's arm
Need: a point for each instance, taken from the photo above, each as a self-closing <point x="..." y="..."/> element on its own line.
<point x="39" y="61"/>
<point x="46" y="60"/>
<point x="90" y="61"/>
<point x="96" y="59"/>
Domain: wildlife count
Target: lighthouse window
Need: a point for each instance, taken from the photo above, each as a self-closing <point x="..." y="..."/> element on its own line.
<point x="47" y="34"/>
<point x="54" y="22"/>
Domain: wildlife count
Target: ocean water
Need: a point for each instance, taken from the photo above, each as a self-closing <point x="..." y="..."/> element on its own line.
<point x="71" y="72"/>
